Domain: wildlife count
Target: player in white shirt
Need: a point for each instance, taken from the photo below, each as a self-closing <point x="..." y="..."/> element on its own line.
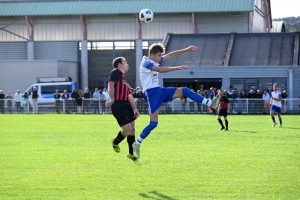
<point x="155" y="95"/>
<point x="275" y="102"/>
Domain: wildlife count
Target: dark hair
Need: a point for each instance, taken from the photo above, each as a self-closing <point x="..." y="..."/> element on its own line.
<point x="156" y="48"/>
<point x="117" y="61"/>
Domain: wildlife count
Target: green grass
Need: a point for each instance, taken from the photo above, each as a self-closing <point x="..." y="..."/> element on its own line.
<point x="185" y="157"/>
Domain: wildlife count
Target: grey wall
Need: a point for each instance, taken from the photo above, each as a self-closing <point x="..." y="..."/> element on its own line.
<point x="222" y="23"/>
<point x="21" y="74"/>
<point x="13" y="50"/>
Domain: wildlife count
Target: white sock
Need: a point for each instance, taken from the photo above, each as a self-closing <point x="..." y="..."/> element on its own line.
<point x="206" y="101"/>
<point x="139" y="141"/>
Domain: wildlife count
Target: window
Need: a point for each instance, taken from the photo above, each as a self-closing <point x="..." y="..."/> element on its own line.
<point x="50" y="89"/>
<point x="258" y="83"/>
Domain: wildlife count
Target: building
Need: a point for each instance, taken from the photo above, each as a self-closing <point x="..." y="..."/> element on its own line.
<point x="80" y="38"/>
<point x="242" y="60"/>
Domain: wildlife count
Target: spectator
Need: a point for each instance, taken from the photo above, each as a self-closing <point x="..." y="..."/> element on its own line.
<point x="191" y="102"/>
<point x="200" y="105"/>
<point x="102" y="102"/>
<point x="79" y="101"/>
<point x="107" y="98"/>
<point x="266" y="99"/>
<point x="9" y="98"/>
<point x="57" y="101"/>
<point x="135" y="94"/>
<point x="34" y="98"/>
<point x="206" y="95"/>
<point x="234" y="97"/>
<point x="18" y="97"/>
<point x="139" y="99"/>
<point x="66" y="103"/>
<point x="96" y="101"/>
<point x="243" y="97"/>
<point x="229" y="92"/>
<point x="74" y="97"/>
<point x="267" y="89"/>
<point x="283" y="102"/>
<point x="212" y="94"/>
<point x="86" y="100"/>
<point x="106" y="94"/>
<point x="2" y="99"/>
<point x="259" y="102"/>
<point x="183" y="104"/>
<point x="251" y="103"/>
<point x="25" y="98"/>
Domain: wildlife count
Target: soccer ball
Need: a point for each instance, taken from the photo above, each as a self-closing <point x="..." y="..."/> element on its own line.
<point x="146" y="15"/>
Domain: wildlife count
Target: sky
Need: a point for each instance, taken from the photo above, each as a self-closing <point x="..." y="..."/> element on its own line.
<point x="285" y="8"/>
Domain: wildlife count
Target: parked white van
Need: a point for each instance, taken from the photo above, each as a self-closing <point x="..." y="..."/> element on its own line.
<point x="46" y="91"/>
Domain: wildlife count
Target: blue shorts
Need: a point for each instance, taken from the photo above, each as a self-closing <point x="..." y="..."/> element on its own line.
<point x="276" y="108"/>
<point x="156" y="96"/>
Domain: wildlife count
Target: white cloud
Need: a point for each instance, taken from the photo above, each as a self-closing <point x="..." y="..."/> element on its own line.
<point x="285" y="8"/>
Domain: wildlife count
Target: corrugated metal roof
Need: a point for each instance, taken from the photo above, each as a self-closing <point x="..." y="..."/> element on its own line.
<point x="278" y="26"/>
<point x="106" y="7"/>
<point x="249" y="49"/>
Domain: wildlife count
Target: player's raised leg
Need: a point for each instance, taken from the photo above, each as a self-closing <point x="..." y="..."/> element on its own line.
<point x="198" y="98"/>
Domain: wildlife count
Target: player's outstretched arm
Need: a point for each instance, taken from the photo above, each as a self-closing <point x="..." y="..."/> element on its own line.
<point x="181" y="51"/>
<point x="169" y="69"/>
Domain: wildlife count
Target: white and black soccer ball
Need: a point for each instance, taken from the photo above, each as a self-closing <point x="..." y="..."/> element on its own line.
<point x="146" y="15"/>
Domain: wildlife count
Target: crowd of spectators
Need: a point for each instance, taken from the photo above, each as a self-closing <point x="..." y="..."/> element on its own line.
<point x="253" y="101"/>
<point x="77" y="102"/>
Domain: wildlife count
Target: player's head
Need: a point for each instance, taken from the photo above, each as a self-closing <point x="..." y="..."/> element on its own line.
<point x="156" y="51"/>
<point x="121" y="64"/>
<point x="275" y="87"/>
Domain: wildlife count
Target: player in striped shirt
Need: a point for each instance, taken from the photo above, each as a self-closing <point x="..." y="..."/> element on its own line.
<point x="122" y="106"/>
<point x="223" y="110"/>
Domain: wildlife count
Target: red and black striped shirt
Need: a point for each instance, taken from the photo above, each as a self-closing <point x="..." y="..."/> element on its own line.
<point x="122" y="87"/>
<point x="224" y="103"/>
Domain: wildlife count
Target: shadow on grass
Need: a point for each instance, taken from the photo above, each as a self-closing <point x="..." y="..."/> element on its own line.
<point x="157" y="196"/>
<point x="286" y="127"/>
<point x="243" y="131"/>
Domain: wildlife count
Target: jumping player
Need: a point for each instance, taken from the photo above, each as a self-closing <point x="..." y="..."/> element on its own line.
<point x="155" y="95"/>
<point x="122" y="106"/>
<point x="275" y="102"/>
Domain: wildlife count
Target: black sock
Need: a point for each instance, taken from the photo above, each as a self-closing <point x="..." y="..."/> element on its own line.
<point x="226" y="123"/>
<point x="130" y="141"/>
<point x="220" y="121"/>
<point x="119" y="138"/>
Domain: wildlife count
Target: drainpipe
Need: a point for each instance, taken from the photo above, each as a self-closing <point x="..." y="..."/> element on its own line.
<point x="268" y="15"/>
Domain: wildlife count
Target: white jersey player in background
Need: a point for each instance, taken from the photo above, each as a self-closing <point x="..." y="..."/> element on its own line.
<point x="275" y="102"/>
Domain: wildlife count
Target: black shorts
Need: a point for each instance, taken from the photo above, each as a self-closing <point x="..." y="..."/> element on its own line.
<point x="223" y="112"/>
<point x="123" y="112"/>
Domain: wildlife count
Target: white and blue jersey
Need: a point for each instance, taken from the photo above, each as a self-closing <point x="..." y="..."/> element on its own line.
<point x="154" y="95"/>
<point x="149" y="78"/>
<point x="276" y="105"/>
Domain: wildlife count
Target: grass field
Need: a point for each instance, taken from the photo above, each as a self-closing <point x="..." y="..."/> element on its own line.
<point x="185" y="157"/>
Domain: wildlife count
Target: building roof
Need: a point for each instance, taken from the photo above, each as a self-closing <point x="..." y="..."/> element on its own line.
<point x="278" y="26"/>
<point x="110" y="7"/>
<point x="249" y="49"/>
